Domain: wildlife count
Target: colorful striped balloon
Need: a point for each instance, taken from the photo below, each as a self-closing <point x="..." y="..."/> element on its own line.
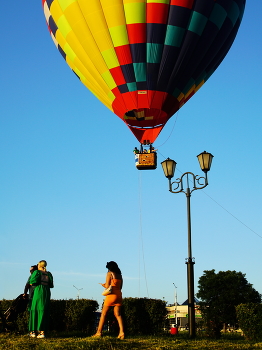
<point x="143" y="59"/>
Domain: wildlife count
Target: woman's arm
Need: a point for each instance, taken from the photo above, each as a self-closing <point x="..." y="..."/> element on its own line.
<point x="108" y="280"/>
<point x="27" y="286"/>
<point x="35" y="278"/>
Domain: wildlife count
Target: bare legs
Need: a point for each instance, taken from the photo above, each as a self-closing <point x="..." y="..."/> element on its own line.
<point x="102" y="319"/>
<point x="117" y="313"/>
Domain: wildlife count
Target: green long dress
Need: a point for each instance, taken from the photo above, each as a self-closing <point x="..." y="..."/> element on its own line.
<point x="39" y="308"/>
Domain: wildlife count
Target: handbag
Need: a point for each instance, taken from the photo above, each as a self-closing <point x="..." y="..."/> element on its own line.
<point x="108" y="290"/>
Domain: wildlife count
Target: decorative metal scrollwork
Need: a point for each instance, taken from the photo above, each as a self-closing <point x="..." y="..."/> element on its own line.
<point x="197" y="183"/>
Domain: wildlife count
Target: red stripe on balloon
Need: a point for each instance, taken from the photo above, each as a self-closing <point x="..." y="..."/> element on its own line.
<point x="136" y="33"/>
<point x="183" y="3"/>
<point x="123" y="54"/>
<point x="157" y="13"/>
<point x="118" y="76"/>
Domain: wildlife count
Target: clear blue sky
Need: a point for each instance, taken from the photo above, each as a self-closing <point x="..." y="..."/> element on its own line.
<point x="70" y="193"/>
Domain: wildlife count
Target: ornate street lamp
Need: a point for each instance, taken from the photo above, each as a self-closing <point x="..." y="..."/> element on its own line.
<point x="197" y="182"/>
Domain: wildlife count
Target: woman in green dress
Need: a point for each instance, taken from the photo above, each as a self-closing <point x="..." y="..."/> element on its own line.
<point x="42" y="281"/>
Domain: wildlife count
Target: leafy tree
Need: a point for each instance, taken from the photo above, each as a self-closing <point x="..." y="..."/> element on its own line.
<point x="220" y="293"/>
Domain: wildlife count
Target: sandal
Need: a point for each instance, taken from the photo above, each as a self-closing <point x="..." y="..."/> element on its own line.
<point x="32" y="334"/>
<point x="41" y="335"/>
<point x="97" y="335"/>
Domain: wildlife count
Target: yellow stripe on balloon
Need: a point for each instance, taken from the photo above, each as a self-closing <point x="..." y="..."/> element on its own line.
<point x="91" y="49"/>
<point x="73" y="14"/>
<point x="77" y="64"/>
<point x="69" y="52"/>
<point x="111" y="96"/>
<point x="103" y="39"/>
<point x="109" y="80"/>
<point x="180" y="97"/>
<point x="135" y="12"/>
<point x="63" y="25"/>
<point x="114" y="12"/>
<point x="84" y="36"/>
<point x="60" y="39"/>
<point x="75" y="69"/>
<point x="110" y="58"/>
<point x="132" y="1"/>
<point x="56" y="10"/>
<point x="106" y="101"/>
<point x="95" y="19"/>
<point x="119" y="35"/>
<point x="80" y="43"/>
<point x="199" y="85"/>
<point x="103" y="95"/>
<point x="92" y="76"/>
<point x="80" y="38"/>
<point x="65" y="3"/>
<point x="158" y="2"/>
<point x="190" y="91"/>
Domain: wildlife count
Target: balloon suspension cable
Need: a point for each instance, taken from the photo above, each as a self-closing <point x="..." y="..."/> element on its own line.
<point x="177" y="113"/>
<point x="141" y="244"/>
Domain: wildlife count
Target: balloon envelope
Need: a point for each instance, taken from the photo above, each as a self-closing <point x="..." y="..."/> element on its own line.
<point x="143" y="59"/>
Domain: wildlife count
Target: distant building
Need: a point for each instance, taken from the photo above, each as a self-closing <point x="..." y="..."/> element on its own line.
<point x="180" y="313"/>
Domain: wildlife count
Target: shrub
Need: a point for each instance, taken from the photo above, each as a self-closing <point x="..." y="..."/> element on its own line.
<point x="65" y="315"/>
<point x="57" y="320"/>
<point x="250" y="320"/>
<point x="80" y="315"/>
<point x="140" y="315"/>
<point x="144" y="316"/>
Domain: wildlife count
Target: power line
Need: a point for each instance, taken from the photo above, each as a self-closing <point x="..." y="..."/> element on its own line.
<point x="232" y="215"/>
<point x="221" y="206"/>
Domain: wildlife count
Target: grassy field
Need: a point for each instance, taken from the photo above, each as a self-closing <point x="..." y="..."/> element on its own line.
<point x="64" y="342"/>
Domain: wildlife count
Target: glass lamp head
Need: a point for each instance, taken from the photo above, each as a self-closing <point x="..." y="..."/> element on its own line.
<point x="205" y="161"/>
<point x="169" y="167"/>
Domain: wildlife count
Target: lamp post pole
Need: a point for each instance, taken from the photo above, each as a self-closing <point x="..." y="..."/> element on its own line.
<point x="78" y="289"/>
<point x="190" y="273"/>
<point x="198" y="182"/>
<point x="175" y="303"/>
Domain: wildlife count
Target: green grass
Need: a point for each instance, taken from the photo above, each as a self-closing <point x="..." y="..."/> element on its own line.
<point x="11" y="341"/>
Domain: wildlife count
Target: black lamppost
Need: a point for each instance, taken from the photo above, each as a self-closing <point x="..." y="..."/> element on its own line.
<point x="197" y="183"/>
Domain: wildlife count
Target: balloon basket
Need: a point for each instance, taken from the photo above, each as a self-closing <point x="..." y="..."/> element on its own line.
<point x="146" y="161"/>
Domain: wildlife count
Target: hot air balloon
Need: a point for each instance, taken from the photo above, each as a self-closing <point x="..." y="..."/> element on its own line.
<point x="143" y="59"/>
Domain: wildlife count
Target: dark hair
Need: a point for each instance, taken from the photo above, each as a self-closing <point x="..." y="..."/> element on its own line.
<point x="112" y="266"/>
<point x="33" y="267"/>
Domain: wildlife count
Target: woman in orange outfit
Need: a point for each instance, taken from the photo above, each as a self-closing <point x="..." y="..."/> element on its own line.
<point x="113" y="278"/>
